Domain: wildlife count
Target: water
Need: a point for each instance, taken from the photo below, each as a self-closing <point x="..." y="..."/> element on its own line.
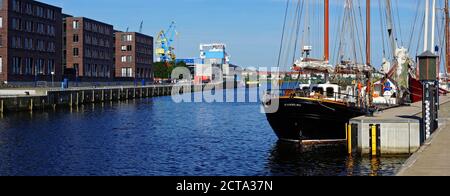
<point x="158" y="137"/>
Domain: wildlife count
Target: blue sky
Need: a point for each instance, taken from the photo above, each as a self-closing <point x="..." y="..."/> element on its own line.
<point x="250" y="28"/>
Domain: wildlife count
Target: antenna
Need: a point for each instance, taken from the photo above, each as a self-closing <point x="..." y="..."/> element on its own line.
<point x="140" y="26"/>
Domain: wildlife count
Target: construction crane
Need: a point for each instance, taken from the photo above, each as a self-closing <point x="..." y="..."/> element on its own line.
<point x="164" y="44"/>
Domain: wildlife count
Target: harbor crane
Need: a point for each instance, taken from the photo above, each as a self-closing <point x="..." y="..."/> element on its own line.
<point x="164" y="44"/>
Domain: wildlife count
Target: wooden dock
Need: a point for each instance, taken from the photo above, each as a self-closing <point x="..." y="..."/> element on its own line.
<point x="433" y="158"/>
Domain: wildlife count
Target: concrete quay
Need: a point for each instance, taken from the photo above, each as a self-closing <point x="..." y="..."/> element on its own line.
<point x="433" y="158"/>
<point x="397" y="130"/>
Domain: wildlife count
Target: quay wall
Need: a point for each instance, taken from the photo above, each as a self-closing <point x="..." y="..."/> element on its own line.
<point x="72" y="97"/>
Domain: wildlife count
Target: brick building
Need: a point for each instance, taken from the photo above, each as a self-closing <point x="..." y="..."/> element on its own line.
<point x="88" y="46"/>
<point x="134" y="55"/>
<point x="30" y="41"/>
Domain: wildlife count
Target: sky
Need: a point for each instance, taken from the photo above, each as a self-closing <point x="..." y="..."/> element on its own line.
<point x="251" y="28"/>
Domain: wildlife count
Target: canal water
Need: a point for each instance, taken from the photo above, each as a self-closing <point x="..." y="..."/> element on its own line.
<point x="156" y="136"/>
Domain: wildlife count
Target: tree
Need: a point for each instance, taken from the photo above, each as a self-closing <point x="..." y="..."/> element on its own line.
<point x="164" y="69"/>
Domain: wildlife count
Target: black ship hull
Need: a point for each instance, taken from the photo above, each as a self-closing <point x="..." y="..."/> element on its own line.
<point x="310" y="119"/>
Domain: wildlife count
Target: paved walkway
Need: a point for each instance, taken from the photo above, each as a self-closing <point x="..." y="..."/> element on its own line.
<point x="433" y="159"/>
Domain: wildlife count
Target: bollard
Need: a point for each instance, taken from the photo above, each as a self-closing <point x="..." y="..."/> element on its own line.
<point x="71" y="100"/>
<point x="374" y="139"/>
<point x="1" y="106"/>
<point x="77" y="100"/>
<point x="348" y="130"/>
<point x="31" y="105"/>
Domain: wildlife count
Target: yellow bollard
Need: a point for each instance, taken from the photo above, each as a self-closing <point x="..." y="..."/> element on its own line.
<point x="374" y="140"/>
<point x="348" y="129"/>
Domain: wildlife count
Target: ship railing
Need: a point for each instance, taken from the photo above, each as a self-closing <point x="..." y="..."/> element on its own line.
<point x="335" y="96"/>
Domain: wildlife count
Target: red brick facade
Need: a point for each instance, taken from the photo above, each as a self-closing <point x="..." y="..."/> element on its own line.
<point x="88" y="48"/>
<point x="30" y="41"/>
<point x="134" y="55"/>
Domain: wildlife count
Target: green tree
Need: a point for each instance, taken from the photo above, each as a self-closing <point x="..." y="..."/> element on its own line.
<point x="164" y="69"/>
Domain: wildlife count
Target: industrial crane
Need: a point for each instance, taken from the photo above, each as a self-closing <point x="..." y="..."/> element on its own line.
<point x="164" y="42"/>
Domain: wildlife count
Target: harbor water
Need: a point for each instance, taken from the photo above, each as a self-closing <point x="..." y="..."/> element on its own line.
<point x="157" y="137"/>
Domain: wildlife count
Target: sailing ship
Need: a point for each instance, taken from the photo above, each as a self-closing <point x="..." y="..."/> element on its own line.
<point x="317" y="111"/>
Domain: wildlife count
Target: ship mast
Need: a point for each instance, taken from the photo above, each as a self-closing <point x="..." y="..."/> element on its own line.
<point x="368" y="62"/>
<point x="433" y="26"/>
<point x="327" y="30"/>
<point x="447" y="37"/>
<point x="427" y="12"/>
<point x="370" y="89"/>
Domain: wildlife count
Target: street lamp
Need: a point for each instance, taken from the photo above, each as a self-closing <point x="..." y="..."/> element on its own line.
<point x="53" y="79"/>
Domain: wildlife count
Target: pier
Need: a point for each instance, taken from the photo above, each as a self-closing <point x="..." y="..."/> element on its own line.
<point x="41" y="99"/>
<point x="392" y="131"/>
<point x="433" y="158"/>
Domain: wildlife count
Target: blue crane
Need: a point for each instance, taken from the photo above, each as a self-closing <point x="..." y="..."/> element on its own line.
<point x="164" y="41"/>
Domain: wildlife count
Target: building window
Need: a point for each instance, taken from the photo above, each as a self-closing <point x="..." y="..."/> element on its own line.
<point x="28" y="66"/>
<point x="29" y="44"/>
<point x="94" y="70"/>
<point x="16" y="65"/>
<point x="16" y="23"/>
<point x="28" y="9"/>
<point x="75" y="38"/>
<point x="127" y="38"/>
<point x="1" y="22"/>
<point x="40" y="11"/>
<point x="51" y="47"/>
<point x="75" y="52"/>
<point x="127" y="72"/>
<point x="124" y="48"/>
<point x="51" y="66"/>
<point x="29" y="26"/>
<point x="124" y="59"/>
<point x="88" y="39"/>
<point x="76" y="67"/>
<point x="1" y="64"/>
<point x="76" y="24"/>
<point x="40" y="28"/>
<point x="16" y="5"/>
<point x="129" y="59"/>
<point x="129" y="48"/>
<point x="39" y="67"/>
<point x="40" y="45"/>
<point x="16" y="42"/>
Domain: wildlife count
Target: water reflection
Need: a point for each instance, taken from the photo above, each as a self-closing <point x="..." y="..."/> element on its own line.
<point x="293" y="159"/>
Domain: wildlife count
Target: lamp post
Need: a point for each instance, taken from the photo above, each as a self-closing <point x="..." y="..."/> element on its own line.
<point x="53" y="79"/>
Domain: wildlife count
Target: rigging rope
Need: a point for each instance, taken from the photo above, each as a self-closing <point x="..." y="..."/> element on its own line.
<point x="283" y="31"/>
<point x="383" y="37"/>
<point x="399" y="24"/>
<point x="414" y="25"/>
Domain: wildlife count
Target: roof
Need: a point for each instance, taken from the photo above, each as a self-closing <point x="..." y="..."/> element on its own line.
<point x="427" y="54"/>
